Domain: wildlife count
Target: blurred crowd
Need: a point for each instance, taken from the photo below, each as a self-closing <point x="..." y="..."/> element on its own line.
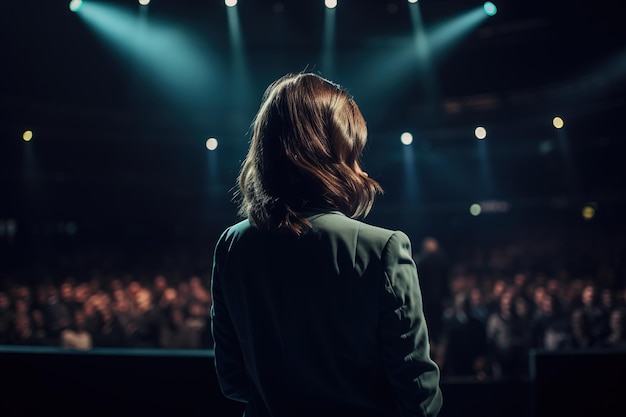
<point x="483" y="322"/>
<point x="108" y="314"/>
<point x="489" y="330"/>
<point x="486" y="308"/>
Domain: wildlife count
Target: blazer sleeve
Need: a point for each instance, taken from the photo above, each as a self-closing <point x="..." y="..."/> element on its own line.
<point x="229" y="364"/>
<point x="414" y="377"/>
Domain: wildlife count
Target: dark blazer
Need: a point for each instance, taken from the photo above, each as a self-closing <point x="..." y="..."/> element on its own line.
<point x="327" y="324"/>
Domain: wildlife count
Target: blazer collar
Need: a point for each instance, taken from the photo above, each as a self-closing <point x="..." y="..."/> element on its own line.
<point x="318" y="210"/>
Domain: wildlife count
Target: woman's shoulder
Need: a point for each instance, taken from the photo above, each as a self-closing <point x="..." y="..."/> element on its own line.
<point x="331" y="223"/>
<point x="339" y="224"/>
<point x="236" y="229"/>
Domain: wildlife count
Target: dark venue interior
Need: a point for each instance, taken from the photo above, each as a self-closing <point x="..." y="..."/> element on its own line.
<point x="496" y="131"/>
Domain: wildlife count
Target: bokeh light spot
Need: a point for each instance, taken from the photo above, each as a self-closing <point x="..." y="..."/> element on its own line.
<point x="475" y="209"/>
<point x="558" y="122"/>
<point x="490" y="8"/>
<point x="75" y="5"/>
<point x="480" y="132"/>
<point x="230" y="3"/>
<point x="406" y="138"/>
<point x="211" y="144"/>
<point x="589" y="212"/>
<point x="331" y="4"/>
<point x="27" y="135"/>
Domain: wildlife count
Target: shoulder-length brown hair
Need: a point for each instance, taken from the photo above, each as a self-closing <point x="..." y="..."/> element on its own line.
<point x="307" y="139"/>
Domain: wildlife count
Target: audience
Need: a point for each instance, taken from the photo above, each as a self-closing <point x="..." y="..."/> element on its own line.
<point x="495" y="305"/>
<point x="88" y="315"/>
<point x="524" y="296"/>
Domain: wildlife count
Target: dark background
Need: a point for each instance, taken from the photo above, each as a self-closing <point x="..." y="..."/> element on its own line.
<point x="118" y="159"/>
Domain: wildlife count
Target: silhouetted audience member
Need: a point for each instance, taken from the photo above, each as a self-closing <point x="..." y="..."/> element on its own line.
<point x="551" y="329"/>
<point x="433" y="270"/>
<point x="522" y="335"/>
<point x="607" y="306"/>
<point x="58" y="315"/>
<point x="197" y="324"/>
<point x="592" y="315"/>
<point x="146" y="325"/>
<point x="93" y="318"/>
<point x="67" y="298"/>
<point x="111" y="333"/>
<point x="617" y="335"/>
<point x="493" y="299"/>
<point x="581" y="331"/>
<point x="122" y="310"/>
<point x="39" y="328"/>
<point x="81" y="295"/>
<point x="478" y="308"/>
<point x="22" y="333"/>
<point x="463" y="344"/>
<point x="502" y="339"/>
<point x="178" y="334"/>
<point x="159" y="287"/>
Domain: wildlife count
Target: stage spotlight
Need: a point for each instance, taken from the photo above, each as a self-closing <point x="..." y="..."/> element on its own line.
<point x="406" y="138"/>
<point x="475" y="209"/>
<point x="480" y="132"/>
<point x="230" y="3"/>
<point x="144" y="2"/>
<point x="331" y="4"/>
<point x="211" y="144"/>
<point x="75" y="5"/>
<point x="490" y="8"/>
<point x="27" y="135"/>
<point x="558" y="123"/>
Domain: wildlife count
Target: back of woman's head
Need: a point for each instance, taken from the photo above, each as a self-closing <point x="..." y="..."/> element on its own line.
<point x="307" y="139"/>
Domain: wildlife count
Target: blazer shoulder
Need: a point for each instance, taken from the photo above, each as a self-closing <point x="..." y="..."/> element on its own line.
<point x="364" y="233"/>
<point x="236" y="230"/>
<point x="229" y="236"/>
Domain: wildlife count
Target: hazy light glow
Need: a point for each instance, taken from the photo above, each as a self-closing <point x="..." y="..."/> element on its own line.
<point x="71" y="228"/>
<point x="331" y="4"/>
<point x="444" y="36"/>
<point x="166" y="52"/>
<point x="230" y="3"/>
<point x="490" y="8"/>
<point x="397" y="63"/>
<point x="480" y="132"/>
<point x="211" y="144"/>
<point x="412" y="1"/>
<point x="475" y="209"/>
<point x="558" y="123"/>
<point x="75" y="5"/>
<point x="144" y="2"/>
<point x="27" y="135"/>
<point x="428" y="79"/>
<point x="328" y="48"/>
<point x="241" y="83"/>
<point x="406" y="138"/>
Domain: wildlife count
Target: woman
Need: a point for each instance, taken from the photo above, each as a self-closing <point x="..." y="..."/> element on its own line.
<point x="315" y="313"/>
